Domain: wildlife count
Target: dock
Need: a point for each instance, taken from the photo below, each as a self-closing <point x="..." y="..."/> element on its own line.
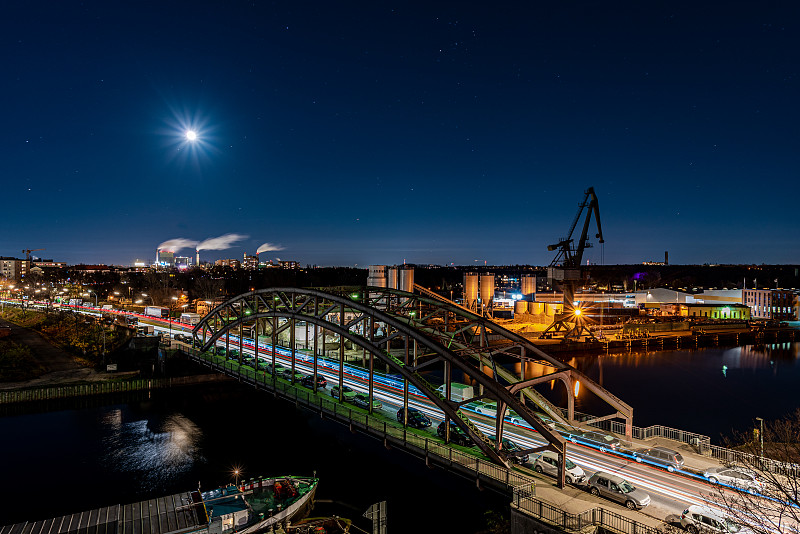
<point x="173" y="514"/>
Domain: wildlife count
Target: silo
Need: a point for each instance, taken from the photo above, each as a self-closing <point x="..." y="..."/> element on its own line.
<point x="406" y="279"/>
<point x="391" y="278"/>
<point x="471" y="290"/>
<point x="528" y="286"/>
<point x="487" y="289"/>
<point x="377" y="276"/>
<point x="520" y="306"/>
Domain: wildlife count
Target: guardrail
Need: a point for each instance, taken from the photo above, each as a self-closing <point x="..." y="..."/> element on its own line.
<point x="523" y="499"/>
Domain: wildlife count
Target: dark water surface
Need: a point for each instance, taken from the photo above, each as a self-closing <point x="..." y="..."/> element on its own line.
<point x="76" y="459"/>
<point x="711" y="391"/>
<point x="73" y="460"/>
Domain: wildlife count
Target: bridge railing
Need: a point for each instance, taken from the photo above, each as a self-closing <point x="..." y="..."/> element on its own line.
<point x="700" y="442"/>
<point x="523" y="499"/>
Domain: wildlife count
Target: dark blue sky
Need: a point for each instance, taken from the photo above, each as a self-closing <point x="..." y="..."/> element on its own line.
<point x="372" y="132"/>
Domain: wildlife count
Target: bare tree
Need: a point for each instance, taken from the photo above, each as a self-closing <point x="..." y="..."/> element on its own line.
<point x="774" y="458"/>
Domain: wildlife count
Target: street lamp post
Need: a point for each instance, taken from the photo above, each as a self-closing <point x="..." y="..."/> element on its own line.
<point x="761" y="435"/>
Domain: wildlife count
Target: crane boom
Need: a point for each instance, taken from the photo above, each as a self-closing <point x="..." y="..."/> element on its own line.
<point x="27" y="252"/>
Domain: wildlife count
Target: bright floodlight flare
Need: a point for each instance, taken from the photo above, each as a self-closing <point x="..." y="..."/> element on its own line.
<point x="191" y="135"/>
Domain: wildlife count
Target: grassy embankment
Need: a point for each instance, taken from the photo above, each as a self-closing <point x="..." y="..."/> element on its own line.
<point x="80" y="336"/>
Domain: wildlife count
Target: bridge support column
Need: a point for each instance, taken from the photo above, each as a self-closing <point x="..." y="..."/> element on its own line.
<point x="291" y="342"/>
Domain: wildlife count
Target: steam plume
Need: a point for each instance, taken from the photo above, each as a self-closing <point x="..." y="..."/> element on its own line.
<point x="176" y="244"/>
<point x="220" y="243"/>
<point x="267" y="247"/>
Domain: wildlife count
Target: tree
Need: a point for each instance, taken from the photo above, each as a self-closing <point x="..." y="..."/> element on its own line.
<point x="774" y="507"/>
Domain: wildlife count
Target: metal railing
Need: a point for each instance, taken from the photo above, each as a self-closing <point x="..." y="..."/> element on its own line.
<point x="524" y="500"/>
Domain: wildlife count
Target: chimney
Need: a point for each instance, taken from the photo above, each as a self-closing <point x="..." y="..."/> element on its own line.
<point x="666" y="257"/>
<point x="197" y="258"/>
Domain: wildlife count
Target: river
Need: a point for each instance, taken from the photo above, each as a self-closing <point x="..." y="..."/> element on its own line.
<point x="76" y="459"/>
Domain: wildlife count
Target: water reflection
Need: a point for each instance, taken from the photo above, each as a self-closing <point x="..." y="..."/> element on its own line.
<point x="153" y="451"/>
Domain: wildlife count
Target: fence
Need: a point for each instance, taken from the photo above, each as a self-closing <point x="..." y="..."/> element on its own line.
<point x="523" y="499"/>
<point x="96" y="388"/>
<point x="81" y="390"/>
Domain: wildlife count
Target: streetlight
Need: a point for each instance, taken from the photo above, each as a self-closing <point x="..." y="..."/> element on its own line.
<point x="761" y="435"/>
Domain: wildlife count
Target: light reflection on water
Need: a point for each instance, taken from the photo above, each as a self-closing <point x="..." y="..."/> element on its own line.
<point x="154" y="452"/>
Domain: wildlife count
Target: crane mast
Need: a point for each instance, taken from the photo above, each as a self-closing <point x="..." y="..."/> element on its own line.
<point x="565" y="269"/>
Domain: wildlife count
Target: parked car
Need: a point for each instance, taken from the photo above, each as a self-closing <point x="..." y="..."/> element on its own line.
<point x="362" y="401"/>
<point x="739" y="478"/>
<point x="416" y="419"/>
<point x="308" y="381"/>
<point x="220" y="350"/>
<point x="696" y="519"/>
<point x="277" y="371"/>
<point x="660" y="457"/>
<point x="288" y="375"/>
<point x="457" y="435"/>
<point x="548" y="463"/>
<point x="599" y="440"/>
<point x="347" y="393"/>
<point x="513" y="450"/>
<point x="618" y="489"/>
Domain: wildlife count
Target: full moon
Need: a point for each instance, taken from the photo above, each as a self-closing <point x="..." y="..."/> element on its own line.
<point x="191" y="135"/>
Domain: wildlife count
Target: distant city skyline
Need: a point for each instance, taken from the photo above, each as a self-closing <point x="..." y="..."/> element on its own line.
<point x="363" y="133"/>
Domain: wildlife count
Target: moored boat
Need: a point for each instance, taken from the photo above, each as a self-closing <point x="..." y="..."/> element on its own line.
<point x="258" y="504"/>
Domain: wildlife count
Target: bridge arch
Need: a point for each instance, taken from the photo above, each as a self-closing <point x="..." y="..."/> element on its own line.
<point x="405" y="331"/>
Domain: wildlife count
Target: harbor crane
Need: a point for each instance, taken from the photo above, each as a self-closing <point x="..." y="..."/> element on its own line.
<point x="27" y="252"/>
<point x="565" y="269"/>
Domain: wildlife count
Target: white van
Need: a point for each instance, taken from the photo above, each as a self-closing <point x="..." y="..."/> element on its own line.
<point x="696" y="519"/>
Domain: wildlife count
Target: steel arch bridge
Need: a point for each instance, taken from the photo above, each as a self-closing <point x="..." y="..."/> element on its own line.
<point x="409" y="333"/>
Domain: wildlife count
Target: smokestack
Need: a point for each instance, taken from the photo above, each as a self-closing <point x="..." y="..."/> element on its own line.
<point x="197" y="258"/>
<point x="666" y="257"/>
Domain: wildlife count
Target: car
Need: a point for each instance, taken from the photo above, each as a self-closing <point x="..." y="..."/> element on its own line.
<point x="487" y="408"/>
<point x="513" y="450"/>
<point x="220" y="350"/>
<point x="696" y="519"/>
<point x="660" y="457"/>
<point x="347" y="393"/>
<point x="618" y="489"/>
<point x="362" y="401"/>
<point x="308" y="381"/>
<point x="739" y="478"/>
<point x="547" y="463"/>
<point x="457" y="436"/>
<point x="416" y="419"/>
<point x="277" y="371"/>
<point x="288" y="374"/>
<point x="599" y="440"/>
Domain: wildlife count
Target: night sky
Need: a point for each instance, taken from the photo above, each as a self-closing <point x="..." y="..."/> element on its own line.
<point x="364" y="133"/>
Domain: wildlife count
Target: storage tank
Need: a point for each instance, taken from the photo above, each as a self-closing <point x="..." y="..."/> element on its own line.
<point x="537" y="308"/>
<point x="406" y="279"/>
<point x="487" y="289"/>
<point x="377" y="276"/>
<point x="528" y="286"/>
<point x="520" y="306"/>
<point x="391" y="278"/>
<point x="471" y="290"/>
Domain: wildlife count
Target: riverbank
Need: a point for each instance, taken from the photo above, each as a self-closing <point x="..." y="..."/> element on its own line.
<point x="670" y="341"/>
